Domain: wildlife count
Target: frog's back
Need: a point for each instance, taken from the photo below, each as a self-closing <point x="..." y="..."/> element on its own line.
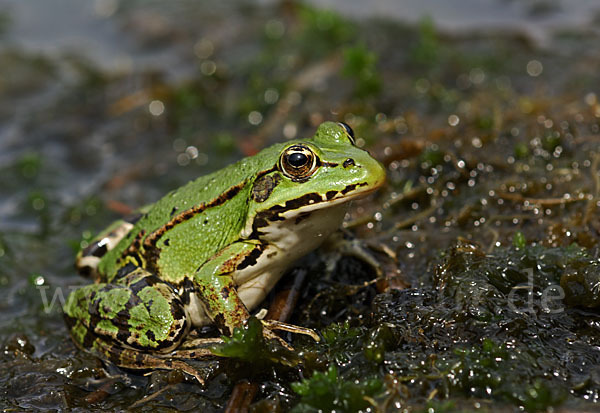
<point x="189" y="225"/>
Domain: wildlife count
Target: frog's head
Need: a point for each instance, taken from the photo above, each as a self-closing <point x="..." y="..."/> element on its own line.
<point x="309" y="175"/>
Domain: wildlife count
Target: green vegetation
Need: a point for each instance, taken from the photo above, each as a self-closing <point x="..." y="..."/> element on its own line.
<point x="248" y="344"/>
<point x="328" y="392"/>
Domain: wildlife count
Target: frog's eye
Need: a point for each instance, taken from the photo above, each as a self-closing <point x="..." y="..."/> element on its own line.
<point x="349" y="132"/>
<point x="298" y="162"/>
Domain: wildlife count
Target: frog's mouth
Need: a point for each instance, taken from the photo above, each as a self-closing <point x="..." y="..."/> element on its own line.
<point x="309" y="202"/>
<point x="312" y="201"/>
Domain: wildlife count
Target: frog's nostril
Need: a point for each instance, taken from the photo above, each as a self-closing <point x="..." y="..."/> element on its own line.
<point x="348" y="162"/>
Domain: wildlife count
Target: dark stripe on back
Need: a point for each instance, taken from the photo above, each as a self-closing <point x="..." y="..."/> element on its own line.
<point x="153" y="238"/>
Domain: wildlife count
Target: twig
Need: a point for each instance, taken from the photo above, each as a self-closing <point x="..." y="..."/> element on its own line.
<point x="495" y="235"/>
<point x="280" y="309"/>
<point x="410" y="194"/>
<point x="242" y="395"/>
<point x="285" y="300"/>
<point x="362" y="220"/>
<point x="415" y="218"/>
<point x="493" y="218"/>
<point x="151" y="397"/>
<point x="101" y="393"/>
<point x="538" y="201"/>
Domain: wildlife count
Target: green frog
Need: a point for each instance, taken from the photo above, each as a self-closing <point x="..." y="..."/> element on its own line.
<point x="210" y="251"/>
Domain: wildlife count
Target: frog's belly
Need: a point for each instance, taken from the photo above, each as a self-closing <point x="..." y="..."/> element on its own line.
<point x="286" y="241"/>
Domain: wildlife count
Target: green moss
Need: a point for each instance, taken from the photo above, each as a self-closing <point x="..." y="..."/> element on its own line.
<point x="244" y="343"/>
<point x="519" y="240"/>
<point x="248" y="344"/>
<point x="521" y="151"/>
<point x="551" y="141"/>
<point x="432" y="156"/>
<point x="426" y="53"/>
<point x="29" y="165"/>
<point x="328" y="392"/>
<point x="501" y="372"/>
<point x="497" y="326"/>
<point x="340" y="340"/>
<point x="323" y="30"/>
<point x="360" y="64"/>
<point x="379" y="340"/>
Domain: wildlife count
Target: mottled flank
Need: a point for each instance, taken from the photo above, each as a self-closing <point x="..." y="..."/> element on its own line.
<point x="134" y="247"/>
<point x="140" y="311"/>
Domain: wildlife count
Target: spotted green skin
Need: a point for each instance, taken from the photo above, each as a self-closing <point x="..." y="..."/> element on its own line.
<point x="192" y="245"/>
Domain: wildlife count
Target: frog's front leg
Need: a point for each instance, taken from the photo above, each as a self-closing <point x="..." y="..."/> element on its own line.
<point x="133" y="322"/>
<point x="216" y="287"/>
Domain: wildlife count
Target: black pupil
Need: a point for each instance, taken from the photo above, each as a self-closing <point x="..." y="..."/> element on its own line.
<point x="297" y="159"/>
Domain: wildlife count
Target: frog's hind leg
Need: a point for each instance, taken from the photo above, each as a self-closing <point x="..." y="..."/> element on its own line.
<point x="139" y="360"/>
<point x="88" y="258"/>
<point x="138" y="314"/>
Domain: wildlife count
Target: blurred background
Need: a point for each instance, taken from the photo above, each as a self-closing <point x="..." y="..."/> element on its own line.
<point x="478" y="108"/>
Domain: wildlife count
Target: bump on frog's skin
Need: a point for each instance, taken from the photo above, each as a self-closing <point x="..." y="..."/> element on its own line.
<point x="210" y="251"/>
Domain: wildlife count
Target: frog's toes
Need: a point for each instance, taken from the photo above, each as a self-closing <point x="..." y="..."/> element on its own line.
<point x="290" y="328"/>
<point x="270" y="335"/>
<point x="139" y="360"/>
<point x="380" y="257"/>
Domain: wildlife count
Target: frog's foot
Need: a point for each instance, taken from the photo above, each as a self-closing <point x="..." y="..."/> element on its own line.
<point x="138" y="360"/>
<point x="200" y="342"/>
<point x="192" y="354"/>
<point x="270" y="335"/>
<point x="291" y="328"/>
<point x="269" y="327"/>
<point x="196" y="348"/>
<point x="343" y="243"/>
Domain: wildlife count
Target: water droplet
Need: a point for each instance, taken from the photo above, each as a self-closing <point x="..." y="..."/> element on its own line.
<point x="208" y="68"/>
<point x="255" y="117"/>
<point x="534" y="68"/>
<point x="203" y="48"/>
<point x="156" y="108"/>
<point x="271" y="96"/>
